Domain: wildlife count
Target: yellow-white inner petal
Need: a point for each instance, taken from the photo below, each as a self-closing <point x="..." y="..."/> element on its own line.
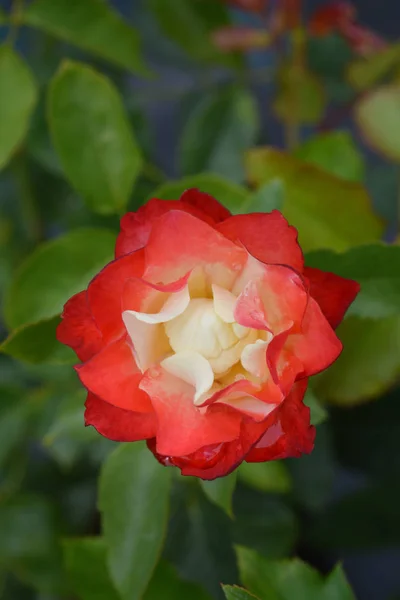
<point x="192" y="368"/>
<point x="224" y="303"/>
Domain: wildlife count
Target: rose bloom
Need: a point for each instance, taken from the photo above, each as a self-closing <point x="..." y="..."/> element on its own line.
<point x="200" y="336"/>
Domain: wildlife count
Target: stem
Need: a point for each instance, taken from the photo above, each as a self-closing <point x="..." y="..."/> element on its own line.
<point x="15" y="21"/>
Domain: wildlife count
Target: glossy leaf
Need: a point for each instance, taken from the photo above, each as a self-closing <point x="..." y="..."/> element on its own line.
<point x="234" y="592"/>
<point x="86" y="565"/>
<point x="334" y="152"/>
<point x="272" y="477"/>
<point x="327" y="211"/>
<point x="378" y="117"/>
<point x="219" y="130"/>
<point x="377" y="270"/>
<point x="368" y="365"/>
<point x="190" y="24"/>
<point x="365" y="72"/>
<point x="91" y="25"/>
<point x="133" y="500"/>
<point x="231" y="195"/>
<point x="267" y="198"/>
<point x="285" y="580"/>
<point x="16" y="106"/>
<point x="54" y="272"/>
<point x="36" y="343"/>
<point x="83" y="103"/>
<point x="220" y="491"/>
<point x="166" y="584"/>
<point x="204" y="553"/>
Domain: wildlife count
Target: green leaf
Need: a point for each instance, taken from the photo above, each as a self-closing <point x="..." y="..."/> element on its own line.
<point x="334" y="152"/>
<point x="267" y="198"/>
<point x="191" y="24"/>
<point x="166" y="585"/>
<point x="233" y="592"/>
<point x="221" y="127"/>
<point x="220" y="491"/>
<point x="318" y="413"/>
<point x="84" y="104"/>
<point x="300" y="96"/>
<point x="85" y="562"/>
<point x="67" y="436"/>
<point x="328" y="212"/>
<point x="54" y="272"/>
<point x="378" y="117"/>
<point x="368" y="365"/>
<point x="328" y="55"/>
<point x="229" y="194"/>
<point x="264" y="522"/>
<point x="289" y="579"/>
<point x="272" y="477"/>
<point x="133" y="500"/>
<point x="14" y="421"/>
<point x="36" y="343"/>
<point x="351" y="523"/>
<point x="3" y="17"/>
<point x="204" y="553"/>
<point x="16" y="106"/>
<point x="91" y="25"/>
<point x="365" y="72"/>
<point x="377" y="270"/>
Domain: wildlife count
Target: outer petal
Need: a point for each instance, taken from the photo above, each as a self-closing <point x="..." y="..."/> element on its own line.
<point x="179" y="242"/>
<point x="317" y="346"/>
<point x="136" y="226"/>
<point x="105" y="293"/>
<point x="118" y="424"/>
<point x="113" y="376"/>
<point x="78" y="329"/>
<point x="267" y="236"/>
<point x="289" y="432"/>
<point x="334" y="294"/>
<point x="206" y="204"/>
<point x="182" y="427"/>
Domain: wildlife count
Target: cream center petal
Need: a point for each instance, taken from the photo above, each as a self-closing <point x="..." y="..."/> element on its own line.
<point x="253" y="358"/>
<point x="192" y="368"/>
<point x="150" y="344"/>
<point x="224" y="303"/>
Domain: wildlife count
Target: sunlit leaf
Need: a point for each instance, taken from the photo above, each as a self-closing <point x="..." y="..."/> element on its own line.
<point x="327" y="211"/>
<point x="89" y="24"/>
<point x="17" y="101"/>
<point x="233" y="592"/>
<point x="85" y="104"/>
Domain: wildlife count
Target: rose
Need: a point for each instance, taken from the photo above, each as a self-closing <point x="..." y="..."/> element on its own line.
<point x="200" y="336"/>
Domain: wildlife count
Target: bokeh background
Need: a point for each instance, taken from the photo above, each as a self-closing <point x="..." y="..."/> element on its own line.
<point x="340" y="503"/>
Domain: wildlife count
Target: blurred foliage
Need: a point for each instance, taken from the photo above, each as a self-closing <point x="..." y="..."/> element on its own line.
<point x="83" y="84"/>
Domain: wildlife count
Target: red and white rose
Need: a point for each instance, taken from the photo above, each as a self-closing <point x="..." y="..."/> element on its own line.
<point x="200" y="336"/>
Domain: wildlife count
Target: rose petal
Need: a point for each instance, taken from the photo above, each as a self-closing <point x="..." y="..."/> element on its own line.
<point x="206" y="203"/>
<point x="179" y="242"/>
<point x="182" y="427"/>
<point x="105" y="292"/>
<point x="266" y="236"/>
<point x="224" y="303"/>
<point x="118" y="424"/>
<point x="254" y="359"/>
<point x="113" y="376"/>
<point x="317" y="346"/>
<point x="78" y="329"/>
<point x="334" y="294"/>
<point x="192" y="368"/>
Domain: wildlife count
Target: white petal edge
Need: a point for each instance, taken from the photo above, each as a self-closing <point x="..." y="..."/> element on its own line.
<point x="150" y="343"/>
<point x="175" y="305"/>
<point x="253" y="359"/>
<point x="192" y="368"/>
<point x="257" y="409"/>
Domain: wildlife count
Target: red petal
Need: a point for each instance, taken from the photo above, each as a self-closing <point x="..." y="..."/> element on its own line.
<point x="206" y="204"/>
<point x="118" y="424"/>
<point x="105" y="293"/>
<point x="334" y="294"/>
<point x="113" y="376"/>
<point x="267" y="236"/>
<point x="136" y="226"/>
<point x="182" y="427"/>
<point x="289" y="432"/>
<point x="317" y="346"/>
<point x="78" y="329"/>
<point x="332" y="17"/>
<point x="179" y="242"/>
